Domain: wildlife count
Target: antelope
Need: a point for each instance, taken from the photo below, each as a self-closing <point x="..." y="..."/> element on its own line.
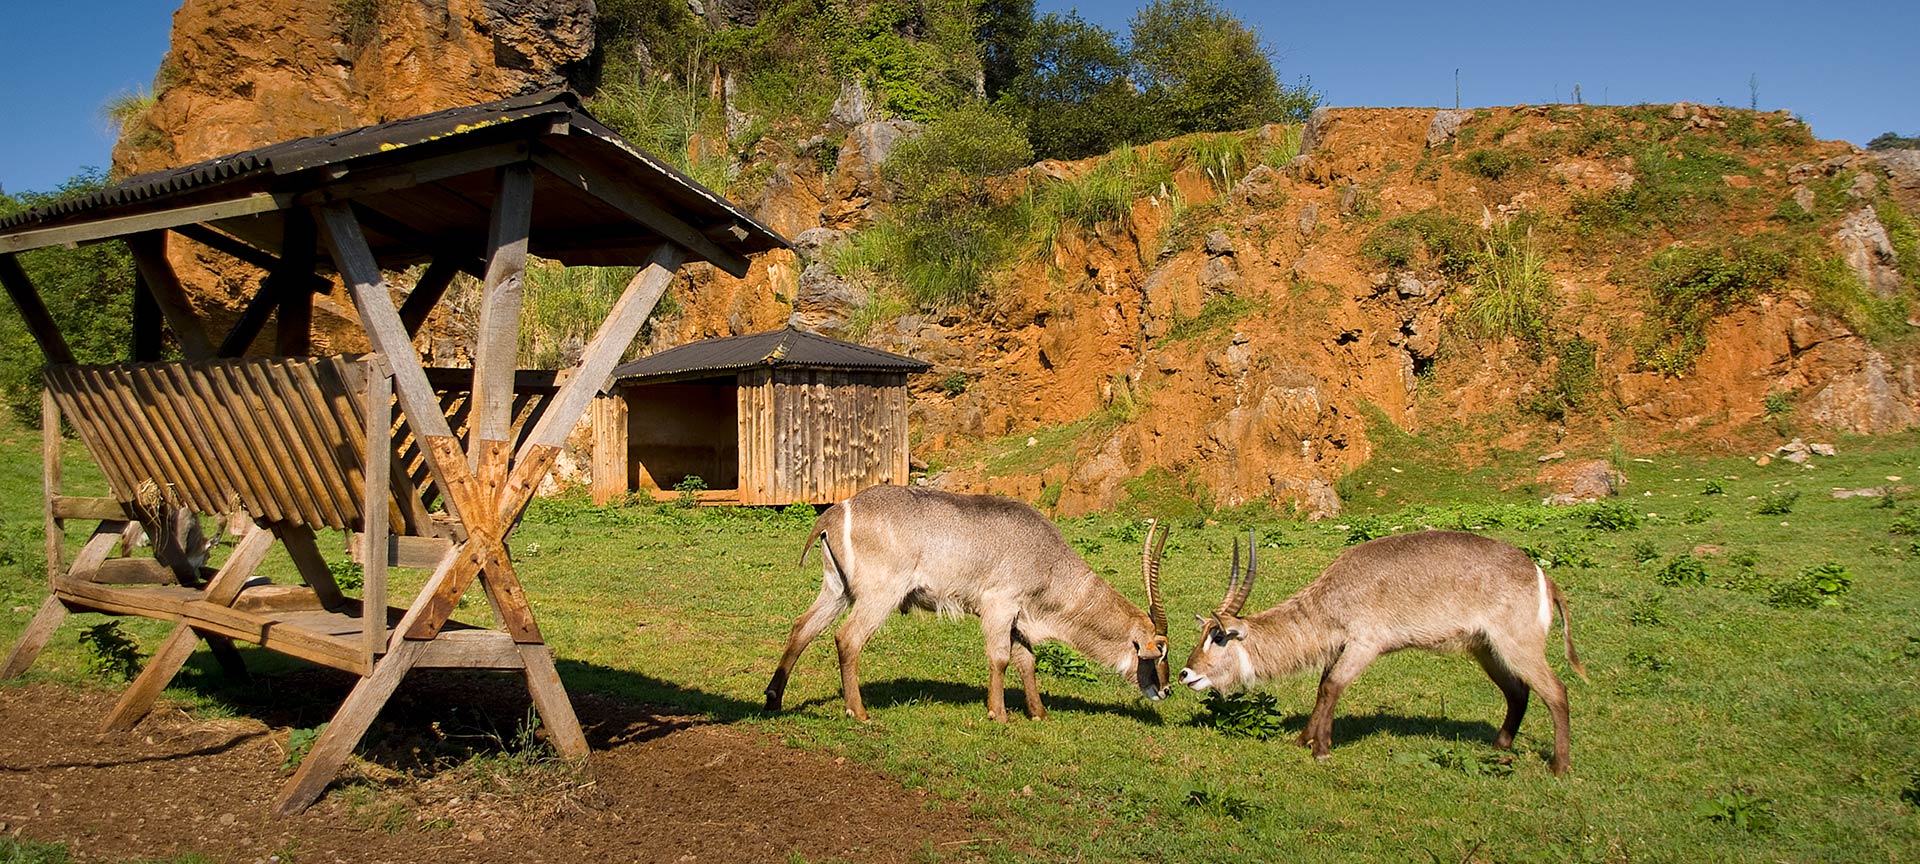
<point x="1438" y="590"/>
<point x="896" y="548"/>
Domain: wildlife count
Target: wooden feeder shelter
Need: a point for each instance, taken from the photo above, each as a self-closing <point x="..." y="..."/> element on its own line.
<point x="770" y="418"/>
<point x="283" y="444"/>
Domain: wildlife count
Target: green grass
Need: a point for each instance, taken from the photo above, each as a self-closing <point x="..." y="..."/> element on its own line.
<point x="1716" y="727"/>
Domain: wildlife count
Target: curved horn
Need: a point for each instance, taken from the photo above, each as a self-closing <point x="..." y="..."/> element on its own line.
<point x="1237" y="595"/>
<point x="1226" y="607"/>
<point x="1150" y="570"/>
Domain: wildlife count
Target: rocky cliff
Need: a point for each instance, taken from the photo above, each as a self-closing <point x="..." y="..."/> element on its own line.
<point x="1240" y="335"/>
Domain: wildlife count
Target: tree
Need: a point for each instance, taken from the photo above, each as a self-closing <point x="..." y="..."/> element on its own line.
<point x="1202" y="70"/>
<point x="1003" y="26"/>
<point x="1073" y="92"/>
<point x="88" y="291"/>
<point x="1891" y="141"/>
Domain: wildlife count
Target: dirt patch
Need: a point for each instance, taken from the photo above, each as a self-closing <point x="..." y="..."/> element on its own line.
<point x="658" y="787"/>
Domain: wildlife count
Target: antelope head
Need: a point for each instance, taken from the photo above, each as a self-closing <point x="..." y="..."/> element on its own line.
<point x="1150" y="648"/>
<point x="1220" y="660"/>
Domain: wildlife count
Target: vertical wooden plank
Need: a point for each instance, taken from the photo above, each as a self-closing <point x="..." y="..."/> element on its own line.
<point x="550" y="699"/>
<point x="497" y="342"/>
<point x="743" y="437"/>
<point x="150" y="256"/>
<point x="610" y="466"/>
<point x="118" y="426"/>
<point x="374" y="486"/>
<point x="50" y="446"/>
<point x="293" y="283"/>
<point x="33" y="311"/>
<point x="147" y="337"/>
<point x="299" y="384"/>
<point x="901" y="444"/>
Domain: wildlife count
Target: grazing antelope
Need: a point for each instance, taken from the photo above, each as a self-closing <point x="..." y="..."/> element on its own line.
<point x="893" y="547"/>
<point x="1439" y="590"/>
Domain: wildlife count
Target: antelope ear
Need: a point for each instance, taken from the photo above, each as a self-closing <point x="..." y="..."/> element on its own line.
<point x="1200" y="618"/>
<point x="1236" y="630"/>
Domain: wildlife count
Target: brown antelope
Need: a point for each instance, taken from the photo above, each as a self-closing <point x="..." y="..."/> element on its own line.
<point x="1439" y="590"/>
<point x="896" y="548"/>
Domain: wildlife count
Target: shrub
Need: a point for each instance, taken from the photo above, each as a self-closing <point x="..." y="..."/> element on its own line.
<point x="1683" y="570"/>
<point x="1429" y="239"/>
<point x="1059" y="661"/>
<point x="1673" y="187"/>
<point x="1574" y="379"/>
<point x="1687" y="288"/>
<point x="1490" y="163"/>
<point x="111" y="652"/>
<point x="689" y="488"/>
<point x="1777" y="503"/>
<point x="1072" y="91"/>
<point x="1612" y="516"/>
<point x="347" y="574"/>
<point x="1104" y="196"/>
<point x="1816" y="586"/>
<point x="1649" y="611"/>
<point x="1713" y="487"/>
<point x="1242" y="715"/>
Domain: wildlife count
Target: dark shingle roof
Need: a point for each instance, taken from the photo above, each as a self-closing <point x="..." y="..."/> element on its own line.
<point x="785" y="347"/>
<point x="311" y="166"/>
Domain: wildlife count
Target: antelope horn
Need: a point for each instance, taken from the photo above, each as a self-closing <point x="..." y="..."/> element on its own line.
<point x="1150" y="569"/>
<point x="1226" y="607"/>
<point x="1237" y="596"/>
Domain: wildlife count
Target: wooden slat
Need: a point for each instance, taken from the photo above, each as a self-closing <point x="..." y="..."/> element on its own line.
<point x="272" y="632"/>
<point x="298" y="385"/>
<point x="146" y="601"/>
<point x="151" y="435"/>
<point x="249" y="436"/>
<point x="67" y="507"/>
<point x="33" y="310"/>
<point x="182" y="429"/>
<point x="306" y="447"/>
<point x="610" y="458"/>
<point x="120" y="226"/>
<point x="497" y="342"/>
<point x="216" y="431"/>
<point x="134" y="449"/>
<point x="150" y="257"/>
<point x="403" y="551"/>
<point x="77" y="405"/>
<point x="287" y="448"/>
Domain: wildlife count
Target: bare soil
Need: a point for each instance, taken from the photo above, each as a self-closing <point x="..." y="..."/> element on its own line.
<point x="658" y="787"/>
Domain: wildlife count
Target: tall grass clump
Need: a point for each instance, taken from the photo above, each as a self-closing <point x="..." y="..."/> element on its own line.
<point x="561" y="307"/>
<point x="1688" y="287"/>
<point x="1512" y="290"/>
<point x="1222" y="157"/>
<point x="1104" y="196"/>
<point x="667" y="118"/>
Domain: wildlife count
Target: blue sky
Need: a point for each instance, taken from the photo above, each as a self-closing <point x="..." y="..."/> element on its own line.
<point x="1850" y="69"/>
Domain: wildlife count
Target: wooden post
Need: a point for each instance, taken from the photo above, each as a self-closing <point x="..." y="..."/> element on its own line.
<point x="426" y="294"/>
<point x="497" y="345"/>
<point x="34" y="638"/>
<point x="610" y="463"/>
<point x="150" y="256"/>
<point x="373" y="531"/>
<point x="147" y="338"/>
<point x="292" y="284"/>
<point x="50" y="444"/>
<point x="343" y="733"/>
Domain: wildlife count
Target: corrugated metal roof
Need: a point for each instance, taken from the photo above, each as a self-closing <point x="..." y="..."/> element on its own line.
<point x="264" y="166"/>
<point x="784" y="347"/>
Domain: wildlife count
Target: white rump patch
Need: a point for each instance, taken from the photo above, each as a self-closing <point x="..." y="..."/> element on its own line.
<point x="1546" y="600"/>
<point x="846" y="545"/>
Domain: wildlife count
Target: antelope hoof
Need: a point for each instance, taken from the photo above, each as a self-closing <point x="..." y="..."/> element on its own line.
<point x="860" y="715"/>
<point x="997" y="716"/>
<point x="1322" y="758"/>
<point x="773" y="700"/>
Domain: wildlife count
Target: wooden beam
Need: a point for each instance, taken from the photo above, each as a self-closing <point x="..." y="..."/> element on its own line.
<point x="153" y="678"/>
<point x="471" y="649"/>
<point x="230" y="245"/>
<point x="403" y="551"/>
<point x="70" y="507"/>
<point x="638" y="207"/>
<point x="497" y="343"/>
<point x="603" y="352"/>
<point x="34" y="638"/>
<point x="387" y="334"/>
<point x="150" y="256"/>
<point x="126" y="226"/>
<point x="610" y="459"/>
<point x="426" y="294"/>
<point x="253" y="319"/>
<point x="33" y="311"/>
<point x="305" y="553"/>
<point x="550" y="699"/>
<point x="418" y="172"/>
<point x="343" y="733"/>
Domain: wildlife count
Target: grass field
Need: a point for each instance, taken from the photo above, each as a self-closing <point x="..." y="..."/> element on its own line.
<point x="1718" y="725"/>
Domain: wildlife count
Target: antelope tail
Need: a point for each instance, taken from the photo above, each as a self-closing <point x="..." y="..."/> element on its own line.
<point x="1566" y="630"/>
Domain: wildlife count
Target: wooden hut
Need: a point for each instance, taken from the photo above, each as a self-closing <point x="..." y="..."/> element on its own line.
<point x="286" y="444"/>
<point x="771" y="418"/>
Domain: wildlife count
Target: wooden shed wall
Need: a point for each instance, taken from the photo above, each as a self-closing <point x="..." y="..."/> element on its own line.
<point x="819" y="436"/>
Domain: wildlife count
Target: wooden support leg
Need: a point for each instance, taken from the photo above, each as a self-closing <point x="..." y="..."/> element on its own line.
<point x="550" y="699"/>
<point x="39" y="630"/>
<point x="228" y="657"/>
<point x="166" y="662"/>
<point x="343" y="733"/>
<point x="305" y="552"/>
